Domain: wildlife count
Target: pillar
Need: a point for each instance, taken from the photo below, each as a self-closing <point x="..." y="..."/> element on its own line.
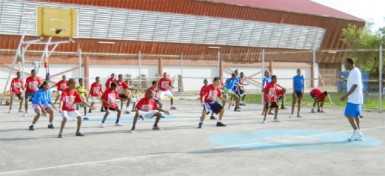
<point x="160" y="67"/>
<point x="86" y="71"/>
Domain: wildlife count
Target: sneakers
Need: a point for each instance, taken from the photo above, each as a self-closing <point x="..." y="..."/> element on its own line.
<point x="79" y="134"/>
<point x="156" y="128"/>
<point x="299" y="116"/>
<point x="141" y="117"/>
<point x="200" y="124"/>
<point x="10" y="111"/>
<point x="21" y="110"/>
<point x="127" y="112"/>
<point x="118" y="124"/>
<point x="25" y="114"/>
<point x="102" y="110"/>
<point x="242" y="104"/>
<point x="162" y="116"/>
<point x="32" y="128"/>
<point x="220" y="124"/>
<point x="102" y="125"/>
<point x="213" y="118"/>
<point x="85" y="118"/>
<point x="357" y="136"/>
<point x="282" y="107"/>
<point x="51" y="126"/>
<point x="291" y="115"/>
<point x="312" y="110"/>
<point x="318" y="110"/>
<point x="276" y="120"/>
<point x="263" y="121"/>
<point x="60" y="135"/>
<point x="173" y="108"/>
<point x="237" y="110"/>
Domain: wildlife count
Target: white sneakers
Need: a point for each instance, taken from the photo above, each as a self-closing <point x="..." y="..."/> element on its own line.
<point x="118" y="124"/>
<point x="25" y="114"/>
<point x="102" y="125"/>
<point x="263" y="122"/>
<point x="312" y="110"/>
<point x="357" y="136"/>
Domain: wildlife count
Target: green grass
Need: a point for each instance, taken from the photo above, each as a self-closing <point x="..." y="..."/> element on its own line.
<point x="371" y="101"/>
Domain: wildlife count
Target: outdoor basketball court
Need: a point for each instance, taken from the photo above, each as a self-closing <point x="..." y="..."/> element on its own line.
<point x="313" y="145"/>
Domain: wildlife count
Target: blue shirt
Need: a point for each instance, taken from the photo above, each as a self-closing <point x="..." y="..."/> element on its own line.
<point x="42" y="97"/>
<point x="298" y="83"/>
<point x="230" y="83"/>
<point x="265" y="81"/>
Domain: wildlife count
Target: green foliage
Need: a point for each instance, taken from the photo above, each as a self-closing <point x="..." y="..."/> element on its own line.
<point x="363" y="38"/>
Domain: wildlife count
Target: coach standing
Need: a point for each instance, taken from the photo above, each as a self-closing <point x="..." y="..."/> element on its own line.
<point x="355" y="99"/>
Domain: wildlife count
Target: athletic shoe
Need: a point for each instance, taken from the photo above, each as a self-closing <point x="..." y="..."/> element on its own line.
<point x="60" y="135"/>
<point x="102" y="110"/>
<point x="318" y="110"/>
<point x="102" y="125"/>
<point x="118" y="124"/>
<point x="85" y="118"/>
<point x="322" y="111"/>
<point x="163" y="117"/>
<point x="51" y="126"/>
<point x="173" y="108"/>
<point x="276" y="120"/>
<point x="270" y="113"/>
<point x="242" y="104"/>
<point x="220" y="124"/>
<point x="21" y="110"/>
<point x="126" y="112"/>
<point x="282" y="107"/>
<point x="79" y="134"/>
<point x="32" y="128"/>
<point x="299" y="116"/>
<point x="200" y="124"/>
<point x="132" y="131"/>
<point x="10" y="111"/>
<point x="213" y="118"/>
<point x="156" y="128"/>
<point x="312" y="110"/>
<point x="356" y="136"/>
<point x="141" y="117"/>
<point x="237" y="110"/>
<point x="263" y="122"/>
<point x="25" y="114"/>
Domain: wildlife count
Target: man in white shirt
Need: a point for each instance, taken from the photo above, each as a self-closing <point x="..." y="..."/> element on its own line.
<point x="355" y="99"/>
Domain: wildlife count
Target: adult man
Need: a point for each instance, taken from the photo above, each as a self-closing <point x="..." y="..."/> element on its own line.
<point x="355" y="99"/>
<point x="17" y="88"/>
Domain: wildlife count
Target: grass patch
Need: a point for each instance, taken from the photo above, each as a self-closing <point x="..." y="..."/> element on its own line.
<point x="370" y="102"/>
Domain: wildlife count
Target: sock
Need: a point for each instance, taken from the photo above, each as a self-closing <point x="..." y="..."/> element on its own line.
<point x="219" y="121"/>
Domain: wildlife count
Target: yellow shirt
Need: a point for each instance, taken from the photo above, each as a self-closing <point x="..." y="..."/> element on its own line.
<point x="82" y="91"/>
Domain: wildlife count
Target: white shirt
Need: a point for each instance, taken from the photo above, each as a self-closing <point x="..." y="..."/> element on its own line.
<point x="357" y="97"/>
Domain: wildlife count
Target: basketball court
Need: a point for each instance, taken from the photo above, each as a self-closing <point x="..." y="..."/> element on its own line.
<point x="315" y="144"/>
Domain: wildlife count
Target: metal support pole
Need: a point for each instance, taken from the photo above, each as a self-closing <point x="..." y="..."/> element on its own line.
<point x="380" y="82"/>
<point x="80" y="62"/>
<point x="263" y="71"/>
<point x="314" y="70"/>
<point x="181" y="72"/>
<point x="219" y="61"/>
<point x="140" y="67"/>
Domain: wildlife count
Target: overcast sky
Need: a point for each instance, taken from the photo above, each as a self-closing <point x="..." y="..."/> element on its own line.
<point x="370" y="10"/>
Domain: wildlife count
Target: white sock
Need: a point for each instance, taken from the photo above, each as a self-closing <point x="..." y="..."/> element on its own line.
<point x="219" y="121"/>
<point x="49" y="123"/>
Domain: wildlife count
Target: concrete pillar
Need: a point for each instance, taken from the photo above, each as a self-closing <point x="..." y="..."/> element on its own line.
<point x="312" y="75"/>
<point x="271" y="67"/>
<point x="87" y="71"/>
<point x="160" y="67"/>
<point x="221" y="68"/>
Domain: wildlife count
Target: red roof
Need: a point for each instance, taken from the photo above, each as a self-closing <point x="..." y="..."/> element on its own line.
<point x="299" y="6"/>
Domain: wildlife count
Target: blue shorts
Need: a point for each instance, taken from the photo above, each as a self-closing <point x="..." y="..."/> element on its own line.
<point x="353" y="110"/>
<point x="156" y="100"/>
<point x="214" y="106"/>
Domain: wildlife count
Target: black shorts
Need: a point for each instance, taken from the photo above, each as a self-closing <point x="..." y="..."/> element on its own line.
<point x="214" y="106"/>
<point x="29" y="95"/>
<point x="271" y="105"/>
<point x="299" y="94"/>
<point x="19" y="96"/>
<point x="312" y="95"/>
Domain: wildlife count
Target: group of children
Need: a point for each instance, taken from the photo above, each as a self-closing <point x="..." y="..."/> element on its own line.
<point x="72" y="98"/>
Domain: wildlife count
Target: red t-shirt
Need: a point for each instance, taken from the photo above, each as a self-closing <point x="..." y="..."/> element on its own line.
<point x="279" y="92"/>
<point x="318" y="93"/>
<point x="62" y="85"/>
<point x="17" y="85"/>
<point x="164" y="83"/>
<point x="96" y="89"/>
<point x="111" y="97"/>
<point x="211" y="93"/>
<point x="69" y="99"/>
<point x="109" y="81"/>
<point x="202" y="92"/>
<point x="32" y="84"/>
<point x="271" y="91"/>
<point x="146" y="105"/>
<point x="155" y="90"/>
<point x="121" y="86"/>
<point x="241" y="81"/>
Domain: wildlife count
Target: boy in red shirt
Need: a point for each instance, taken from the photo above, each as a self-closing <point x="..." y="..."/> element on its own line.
<point x="123" y="88"/>
<point x="109" y="98"/>
<point x="147" y="107"/>
<point x="164" y="84"/>
<point x="110" y="80"/>
<point x="32" y="83"/>
<point x="202" y="92"/>
<point x="67" y="107"/>
<point x="96" y="92"/>
<point x="61" y="85"/>
<point x="208" y="101"/>
<point x="17" y="88"/>
<point x="319" y="98"/>
<point x="155" y="90"/>
<point x="270" y="98"/>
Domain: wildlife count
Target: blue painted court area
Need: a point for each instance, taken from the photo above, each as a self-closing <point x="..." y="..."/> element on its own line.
<point x="126" y="118"/>
<point x="293" y="140"/>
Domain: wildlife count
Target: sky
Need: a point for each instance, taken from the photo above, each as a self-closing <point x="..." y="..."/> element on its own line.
<point x="369" y="10"/>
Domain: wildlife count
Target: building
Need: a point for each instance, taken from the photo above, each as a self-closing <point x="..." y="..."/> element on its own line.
<point x="184" y="37"/>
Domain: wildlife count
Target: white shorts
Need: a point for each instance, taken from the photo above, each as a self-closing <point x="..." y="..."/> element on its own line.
<point x="37" y="106"/>
<point x="70" y="114"/>
<point x="95" y="99"/>
<point x="166" y="94"/>
<point x="149" y="114"/>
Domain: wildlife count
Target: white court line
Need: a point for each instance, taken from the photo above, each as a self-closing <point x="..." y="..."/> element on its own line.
<point x="158" y="155"/>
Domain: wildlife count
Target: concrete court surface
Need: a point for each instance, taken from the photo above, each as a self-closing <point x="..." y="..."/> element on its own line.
<point x="312" y="145"/>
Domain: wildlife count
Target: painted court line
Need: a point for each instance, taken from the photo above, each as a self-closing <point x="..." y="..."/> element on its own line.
<point x="171" y="154"/>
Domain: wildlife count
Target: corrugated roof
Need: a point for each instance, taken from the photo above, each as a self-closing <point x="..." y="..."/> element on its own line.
<point x="299" y="6"/>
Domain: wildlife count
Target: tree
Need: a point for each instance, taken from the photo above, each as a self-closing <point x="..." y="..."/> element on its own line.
<point x="363" y="38"/>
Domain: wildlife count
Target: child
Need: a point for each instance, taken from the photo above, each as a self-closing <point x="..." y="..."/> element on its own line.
<point x="155" y="90"/>
<point x="270" y="98"/>
<point x="319" y="98"/>
<point x="96" y="92"/>
<point x="67" y="107"/>
<point x="164" y="85"/>
<point x="147" y="107"/>
<point x="83" y="93"/>
<point x="17" y="89"/>
<point x="109" y="99"/>
<point x="208" y="101"/>
<point x="40" y="102"/>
